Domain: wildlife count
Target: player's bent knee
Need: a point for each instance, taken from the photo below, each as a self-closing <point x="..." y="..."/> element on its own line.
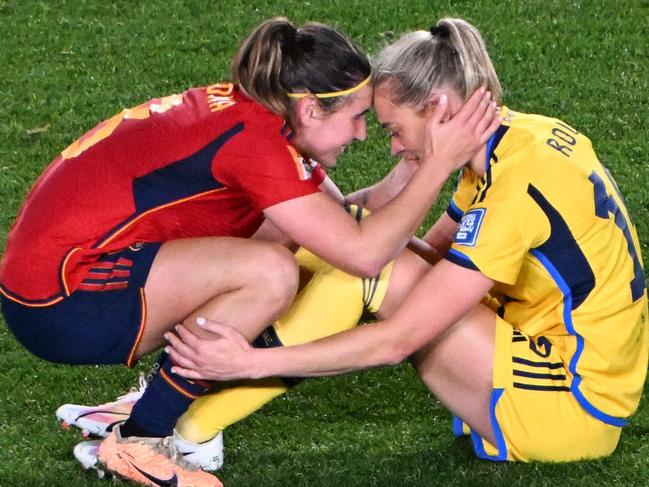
<point x="418" y="359"/>
<point x="407" y="270"/>
<point x="280" y="275"/>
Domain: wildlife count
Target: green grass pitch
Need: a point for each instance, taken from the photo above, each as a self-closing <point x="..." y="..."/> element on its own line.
<point x="65" y="65"/>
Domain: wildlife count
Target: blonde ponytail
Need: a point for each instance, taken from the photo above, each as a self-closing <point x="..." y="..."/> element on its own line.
<point x="451" y="54"/>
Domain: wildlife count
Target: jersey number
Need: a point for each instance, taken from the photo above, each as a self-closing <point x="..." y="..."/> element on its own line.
<point x="605" y="205"/>
<point x="107" y="127"/>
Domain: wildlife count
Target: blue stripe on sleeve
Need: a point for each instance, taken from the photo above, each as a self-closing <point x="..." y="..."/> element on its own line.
<point x="460" y="259"/>
<point x="454" y="212"/>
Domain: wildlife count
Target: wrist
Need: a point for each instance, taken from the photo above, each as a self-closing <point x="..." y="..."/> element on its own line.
<point x="434" y="161"/>
<point x="435" y="169"/>
<point x="255" y="364"/>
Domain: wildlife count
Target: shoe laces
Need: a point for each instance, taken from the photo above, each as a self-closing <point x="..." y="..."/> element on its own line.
<point x="164" y="446"/>
<point x="142" y="383"/>
<point x="167" y="447"/>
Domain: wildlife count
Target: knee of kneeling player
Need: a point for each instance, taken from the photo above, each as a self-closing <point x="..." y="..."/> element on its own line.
<point x="279" y="279"/>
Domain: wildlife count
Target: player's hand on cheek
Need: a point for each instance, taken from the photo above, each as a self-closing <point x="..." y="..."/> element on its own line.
<point x="221" y="355"/>
<point x="451" y="141"/>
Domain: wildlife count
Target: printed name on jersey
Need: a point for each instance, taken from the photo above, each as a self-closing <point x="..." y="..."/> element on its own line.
<point x="469" y="229"/>
<point x="219" y="96"/>
<point x="563" y="139"/>
<point x="107" y="127"/>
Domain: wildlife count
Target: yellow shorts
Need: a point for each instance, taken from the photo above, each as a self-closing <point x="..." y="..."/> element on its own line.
<point x="534" y="415"/>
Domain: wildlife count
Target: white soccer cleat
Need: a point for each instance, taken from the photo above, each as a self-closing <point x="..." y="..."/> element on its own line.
<point x="100" y="420"/>
<point x="86" y="453"/>
<point x="207" y="456"/>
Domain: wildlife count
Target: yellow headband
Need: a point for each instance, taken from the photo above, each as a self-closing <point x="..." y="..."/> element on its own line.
<point x="333" y="93"/>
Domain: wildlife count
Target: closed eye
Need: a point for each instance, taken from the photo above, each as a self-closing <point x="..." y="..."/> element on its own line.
<point x="392" y="132"/>
<point x="361" y="115"/>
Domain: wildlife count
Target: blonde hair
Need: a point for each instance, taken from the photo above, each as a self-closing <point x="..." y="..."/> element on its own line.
<point x="451" y="54"/>
<point x="277" y="59"/>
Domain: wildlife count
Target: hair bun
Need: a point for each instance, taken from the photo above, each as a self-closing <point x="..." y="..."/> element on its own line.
<point x="441" y="30"/>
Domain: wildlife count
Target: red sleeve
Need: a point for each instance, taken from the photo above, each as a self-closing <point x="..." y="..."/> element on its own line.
<point x="265" y="168"/>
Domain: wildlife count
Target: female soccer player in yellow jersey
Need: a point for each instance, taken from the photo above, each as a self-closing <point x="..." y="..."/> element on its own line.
<point x="532" y="329"/>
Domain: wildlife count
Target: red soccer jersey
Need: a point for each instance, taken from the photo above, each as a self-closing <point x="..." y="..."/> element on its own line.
<point x="204" y="163"/>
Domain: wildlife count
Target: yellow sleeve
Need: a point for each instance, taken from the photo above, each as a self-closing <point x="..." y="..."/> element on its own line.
<point x="465" y="190"/>
<point x="495" y="234"/>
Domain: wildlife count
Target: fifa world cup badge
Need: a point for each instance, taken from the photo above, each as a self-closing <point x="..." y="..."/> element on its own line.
<point x="469" y="229"/>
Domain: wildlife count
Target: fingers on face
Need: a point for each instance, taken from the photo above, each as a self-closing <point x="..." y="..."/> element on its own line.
<point x="441" y="105"/>
<point x="480" y="109"/>
<point x="484" y="117"/>
<point x="472" y="104"/>
<point x="495" y="123"/>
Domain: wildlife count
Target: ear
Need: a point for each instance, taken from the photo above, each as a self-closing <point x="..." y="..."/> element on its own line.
<point x="308" y="111"/>
<point x="431" y="105"/>
<point x="454" y="103"/>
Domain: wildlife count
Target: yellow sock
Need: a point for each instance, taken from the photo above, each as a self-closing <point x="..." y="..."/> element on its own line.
<point x="332" y="301"/>
<point x="214" y="411"/>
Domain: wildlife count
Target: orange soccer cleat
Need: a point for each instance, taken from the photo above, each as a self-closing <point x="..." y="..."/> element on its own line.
<point x="150" y="461"/>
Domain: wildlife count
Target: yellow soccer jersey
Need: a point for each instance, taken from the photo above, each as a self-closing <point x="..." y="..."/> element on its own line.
<point x="547" y="223"/>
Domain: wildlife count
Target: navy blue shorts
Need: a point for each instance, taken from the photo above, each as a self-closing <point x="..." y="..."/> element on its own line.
<point x="99" y="323"/>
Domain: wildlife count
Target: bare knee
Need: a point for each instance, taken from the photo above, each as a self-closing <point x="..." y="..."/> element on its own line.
<point x="408" y="269"/>
<point x="278" y="277"/>
<point x="465" y="342"/>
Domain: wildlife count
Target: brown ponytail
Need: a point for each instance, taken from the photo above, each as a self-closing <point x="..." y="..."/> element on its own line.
<point x="277" y="59"/>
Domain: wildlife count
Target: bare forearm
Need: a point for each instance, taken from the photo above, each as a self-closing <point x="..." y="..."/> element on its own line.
<point x="424" y="250"/>
<point x="355" y="349"/>
<point x="440" y="299"/>
<point x="369" y="198"/>
<point x="398" y="221"/>
<point x="441" y="234"/>
<point x="445" y="294"/>
<point x="380" y="194"/>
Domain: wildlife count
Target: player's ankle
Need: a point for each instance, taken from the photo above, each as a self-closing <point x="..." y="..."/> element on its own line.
<point x="130" y="428"/>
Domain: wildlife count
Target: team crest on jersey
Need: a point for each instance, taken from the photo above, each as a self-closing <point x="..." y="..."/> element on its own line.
<point x="304" y="166"/>
<point x="470" y="224"/>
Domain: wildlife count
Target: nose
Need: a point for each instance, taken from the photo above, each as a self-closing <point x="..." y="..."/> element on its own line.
<point x="361" y="129"/>
<point x="396" y="146"/>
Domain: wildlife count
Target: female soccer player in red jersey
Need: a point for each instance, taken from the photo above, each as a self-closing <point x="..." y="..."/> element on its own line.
<point x="147" y="220"/>
<point x="551" y="363"/>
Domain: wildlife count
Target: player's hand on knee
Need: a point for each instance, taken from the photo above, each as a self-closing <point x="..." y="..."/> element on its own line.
<point x="221" y="355"/>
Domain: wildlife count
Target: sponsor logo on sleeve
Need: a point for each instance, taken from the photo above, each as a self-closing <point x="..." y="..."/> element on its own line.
<point x="467" y="233"/>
